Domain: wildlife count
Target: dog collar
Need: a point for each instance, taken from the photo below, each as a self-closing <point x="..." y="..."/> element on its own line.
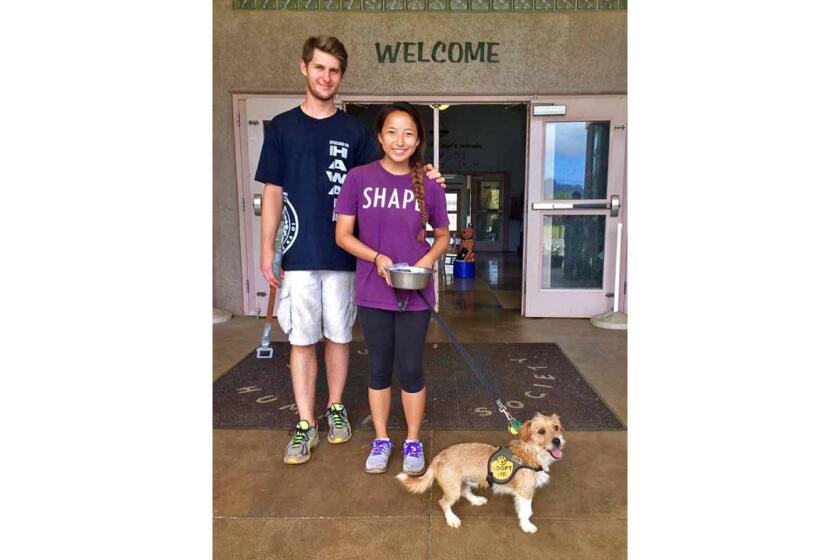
<point x="503" y="464"/>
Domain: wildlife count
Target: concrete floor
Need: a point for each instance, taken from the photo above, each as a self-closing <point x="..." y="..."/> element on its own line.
<point x="330" y="507"/>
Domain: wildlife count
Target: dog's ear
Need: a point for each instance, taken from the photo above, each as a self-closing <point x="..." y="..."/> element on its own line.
<point x="525" y="432"/>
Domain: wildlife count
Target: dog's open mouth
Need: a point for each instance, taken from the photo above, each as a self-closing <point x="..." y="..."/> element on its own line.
<point x="557" y="453"/>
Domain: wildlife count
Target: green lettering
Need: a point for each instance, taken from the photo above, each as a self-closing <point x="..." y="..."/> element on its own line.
<point x="477" y="54"/>
<point x="492" y="57"/>
<point x="420" y="55"/>
<point x="388" y="51"/>
<point x="408" y="55"/>
<point x="439" y="45"/>
<point x="460" y="52"/>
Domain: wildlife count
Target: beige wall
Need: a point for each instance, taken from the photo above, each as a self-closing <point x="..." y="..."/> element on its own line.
<point x="257" y="51"/>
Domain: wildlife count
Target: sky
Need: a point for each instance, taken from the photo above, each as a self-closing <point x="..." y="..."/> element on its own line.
<point x="569" y="151"/>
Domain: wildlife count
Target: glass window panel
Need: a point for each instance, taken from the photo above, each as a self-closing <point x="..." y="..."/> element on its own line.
<point x="487" y="227"/>
<point x="576" y="158"/>
<point x="452" y="202"/>
<point x="453" y="221"/>
<point x="490" y="195"/>
<point x="573" y="251"/>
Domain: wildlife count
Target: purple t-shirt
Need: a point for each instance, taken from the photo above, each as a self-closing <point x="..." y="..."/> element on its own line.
<point x="389" y="221"/>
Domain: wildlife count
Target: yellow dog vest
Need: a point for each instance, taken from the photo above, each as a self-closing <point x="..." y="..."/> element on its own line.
<point x="503" y="464"/>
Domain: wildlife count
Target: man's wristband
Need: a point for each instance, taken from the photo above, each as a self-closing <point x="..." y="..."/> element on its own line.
<point x="375" y="257"/>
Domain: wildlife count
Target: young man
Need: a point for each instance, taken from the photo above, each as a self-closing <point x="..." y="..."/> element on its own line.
<point x="305" y="157"/>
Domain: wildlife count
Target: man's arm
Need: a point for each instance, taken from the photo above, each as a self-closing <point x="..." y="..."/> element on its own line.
<point x="435" y="175"/>
<point x="272" y="210"/>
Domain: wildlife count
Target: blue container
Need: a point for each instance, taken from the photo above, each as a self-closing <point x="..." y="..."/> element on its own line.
<point x="464" y="269"/>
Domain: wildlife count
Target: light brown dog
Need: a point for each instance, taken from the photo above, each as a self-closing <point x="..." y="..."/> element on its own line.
<point x="467" y="252"/>
<point x="461" y="468"/>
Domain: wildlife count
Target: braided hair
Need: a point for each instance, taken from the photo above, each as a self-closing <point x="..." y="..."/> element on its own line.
<point x="415" y="161"/>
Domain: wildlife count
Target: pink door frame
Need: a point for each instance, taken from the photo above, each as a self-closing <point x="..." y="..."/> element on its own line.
<point x="536" y="299"/>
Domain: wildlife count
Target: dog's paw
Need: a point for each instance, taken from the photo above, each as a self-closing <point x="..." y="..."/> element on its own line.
<point x="453" y="520"/>
<point x="478" y="500"/>
<point x="528" y="527"/>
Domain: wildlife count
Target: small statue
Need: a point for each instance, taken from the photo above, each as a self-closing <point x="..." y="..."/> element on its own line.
<point x="467" y="253"/>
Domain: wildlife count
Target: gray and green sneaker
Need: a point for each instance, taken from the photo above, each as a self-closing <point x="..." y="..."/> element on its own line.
<point x="380" y="452"/>
<point x="339" y="430"/>
<point x="304" y="439"/>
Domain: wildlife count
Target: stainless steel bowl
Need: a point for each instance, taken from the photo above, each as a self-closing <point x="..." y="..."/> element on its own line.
<point x="410" y="278"/>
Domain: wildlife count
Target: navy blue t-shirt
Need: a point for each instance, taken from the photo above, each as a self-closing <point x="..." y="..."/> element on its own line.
<point x="310" y="159"/>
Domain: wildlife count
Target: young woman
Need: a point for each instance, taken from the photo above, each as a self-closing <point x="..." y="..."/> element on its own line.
<point x="392" y="200"/>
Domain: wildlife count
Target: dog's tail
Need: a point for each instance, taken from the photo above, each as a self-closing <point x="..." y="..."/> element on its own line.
<point x="418" y="485"/>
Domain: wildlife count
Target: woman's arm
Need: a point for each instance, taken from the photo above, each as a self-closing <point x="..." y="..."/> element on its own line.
<point x="345" y="239"/>
<point x="438" y="248"/>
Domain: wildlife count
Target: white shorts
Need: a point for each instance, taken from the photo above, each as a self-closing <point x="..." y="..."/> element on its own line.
<point x="316" y="304"/>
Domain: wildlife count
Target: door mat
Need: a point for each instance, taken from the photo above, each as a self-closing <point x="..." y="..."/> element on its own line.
<point x="530" y="378"/>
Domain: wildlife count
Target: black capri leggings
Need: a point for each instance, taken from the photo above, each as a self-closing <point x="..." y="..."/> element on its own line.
<point x="393" y="336"/>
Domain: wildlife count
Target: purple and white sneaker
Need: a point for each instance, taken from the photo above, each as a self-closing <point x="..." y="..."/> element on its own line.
<point x="380" y="452"/>
<point x="414" y="462"/>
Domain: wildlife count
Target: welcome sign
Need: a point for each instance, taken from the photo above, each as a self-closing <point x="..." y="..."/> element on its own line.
<point x="438" y="52"/>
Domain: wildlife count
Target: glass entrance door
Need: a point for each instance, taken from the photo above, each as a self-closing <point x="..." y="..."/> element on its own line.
<point x="489" y="194"/>
<point x="576" y="165"/>
<point x="255" y="113"/>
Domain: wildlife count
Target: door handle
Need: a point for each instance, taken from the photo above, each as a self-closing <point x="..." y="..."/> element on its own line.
<point x="613" y="205"/>
<point x="257" y="205"/>
<point x="554" y="206"/>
